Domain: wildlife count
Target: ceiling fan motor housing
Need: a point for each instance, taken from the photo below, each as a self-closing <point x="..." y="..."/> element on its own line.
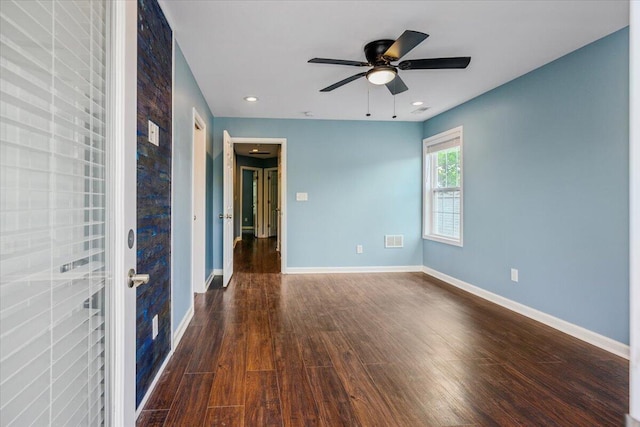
<point x="374" y="51"/>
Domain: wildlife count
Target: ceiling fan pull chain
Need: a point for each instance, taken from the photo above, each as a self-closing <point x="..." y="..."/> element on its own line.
<point x="394" y="106"/>
<point x="368" y="112"/>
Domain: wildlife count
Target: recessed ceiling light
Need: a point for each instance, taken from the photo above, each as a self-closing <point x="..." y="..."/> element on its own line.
<point x="416" y="103"/>
<point x="251" y="98"/>
<point x="255" y="150"/>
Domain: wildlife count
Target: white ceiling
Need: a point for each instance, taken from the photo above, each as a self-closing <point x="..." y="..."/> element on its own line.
<point x="261" y="48"/>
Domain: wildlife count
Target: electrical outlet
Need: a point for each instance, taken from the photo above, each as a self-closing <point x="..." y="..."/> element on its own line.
<point x="154" y="326"/>
<point x="359" y="249"/>
<point x="514" y="275"/>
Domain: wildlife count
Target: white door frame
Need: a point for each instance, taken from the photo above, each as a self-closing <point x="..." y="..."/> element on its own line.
<point x="257" y="221"/>
<point x="198" y="214"/>
<point x="121" y="335"/>
<point x="283" y="190"/>
<point x="266" y="206"/>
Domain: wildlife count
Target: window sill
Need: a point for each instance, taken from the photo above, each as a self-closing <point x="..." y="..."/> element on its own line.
<point x="441" y="239"/>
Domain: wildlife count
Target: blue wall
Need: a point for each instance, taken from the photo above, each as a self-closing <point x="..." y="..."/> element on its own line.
<point x="546" y="189"/>
<point x="187" y="95"/>
<point x="363" y="181"/>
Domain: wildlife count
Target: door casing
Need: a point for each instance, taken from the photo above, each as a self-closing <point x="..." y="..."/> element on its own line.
<point x="282" y="191"/>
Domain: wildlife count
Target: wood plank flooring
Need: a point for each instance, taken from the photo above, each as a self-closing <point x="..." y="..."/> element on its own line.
<point x="397" y="349"/>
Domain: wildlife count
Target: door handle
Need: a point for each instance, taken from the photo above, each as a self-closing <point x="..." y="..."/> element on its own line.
<point x="223" y="216"/>
<point x="136" y="280"/>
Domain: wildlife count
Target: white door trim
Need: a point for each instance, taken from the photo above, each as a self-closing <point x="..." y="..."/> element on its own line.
<point x="121" y="369"/>
<point x="283" y="189"/>
<point x="257" y="221"/>
<point x="198" y="245"/>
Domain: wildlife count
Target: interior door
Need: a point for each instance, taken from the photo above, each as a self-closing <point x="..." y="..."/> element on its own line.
<point x="254" y="203"/>
<point x="227" y="213"/>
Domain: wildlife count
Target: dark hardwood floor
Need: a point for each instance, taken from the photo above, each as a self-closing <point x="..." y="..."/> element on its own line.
<point x="397" y="349"/>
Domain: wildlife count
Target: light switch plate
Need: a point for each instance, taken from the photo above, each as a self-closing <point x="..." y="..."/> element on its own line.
<point x="302" y="197"/>
<point x="154" y="326"/>
<point x="154" y="133"/>
<point x="514" y="275"/>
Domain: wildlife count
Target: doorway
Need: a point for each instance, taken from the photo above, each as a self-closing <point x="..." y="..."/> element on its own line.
<point x="198" y="197"/>
<point x="232" y="220"/>
<point x="255" y="166"/>
<point x="272" y="202"/>
<point x="248" y="194"/>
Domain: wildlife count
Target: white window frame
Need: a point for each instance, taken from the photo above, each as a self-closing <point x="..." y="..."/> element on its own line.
<point x="427" y="189"/>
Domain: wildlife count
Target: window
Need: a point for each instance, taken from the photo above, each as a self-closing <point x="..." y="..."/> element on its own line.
<point x="442" y="215"/>
<point x="54" y="228"/>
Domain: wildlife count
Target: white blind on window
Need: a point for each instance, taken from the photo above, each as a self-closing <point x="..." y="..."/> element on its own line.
<point x="444" y="145"/>
<point x="52" y="214"/>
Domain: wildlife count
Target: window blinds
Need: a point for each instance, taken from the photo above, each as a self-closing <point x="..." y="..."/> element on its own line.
<point x="443" y="145"/>
<point x="52" y="213"/>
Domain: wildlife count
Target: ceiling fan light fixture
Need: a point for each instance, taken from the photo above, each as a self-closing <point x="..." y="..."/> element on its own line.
<point x="381" y="75"/>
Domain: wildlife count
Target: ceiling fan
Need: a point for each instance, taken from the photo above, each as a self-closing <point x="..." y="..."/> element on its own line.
<point x="381" y="53"/>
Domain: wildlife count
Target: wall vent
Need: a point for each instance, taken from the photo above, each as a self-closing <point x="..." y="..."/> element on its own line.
<point x="394" y="241"/>
<point x="420" y="110"/>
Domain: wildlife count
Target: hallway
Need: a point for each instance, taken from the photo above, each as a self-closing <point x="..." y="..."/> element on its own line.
<point x="396" y="349"/>
<point x="252" y="255"/>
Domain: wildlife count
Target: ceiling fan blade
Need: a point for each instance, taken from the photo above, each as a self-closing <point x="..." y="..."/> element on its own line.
<point x="342" y="82"/>
<point x="338" y="62"/>
<point x="435" y="63"/>
<point x="407" y="41"/>
<point x="396" y="86"/>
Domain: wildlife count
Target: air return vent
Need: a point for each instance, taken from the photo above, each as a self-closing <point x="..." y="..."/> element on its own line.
<point x="420" y="110"/>
<point x="393" y="241"/>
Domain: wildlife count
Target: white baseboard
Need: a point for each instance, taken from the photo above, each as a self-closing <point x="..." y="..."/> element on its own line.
<point x="576" y="331"/>
<point x="179" y="332"/>
<point x="177" y="336"/>
<point x="377" y="269"/>
<point x="153" y="384"/>
<point x="217" y="272"/>
<point x="236" y="240"/>
<point x="209" y="279"/>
